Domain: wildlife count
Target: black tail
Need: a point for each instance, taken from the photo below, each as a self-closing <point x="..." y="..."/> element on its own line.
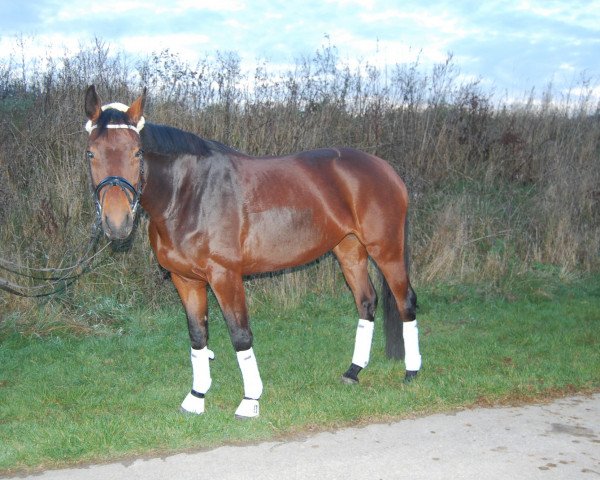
<point x="392" y="322"/>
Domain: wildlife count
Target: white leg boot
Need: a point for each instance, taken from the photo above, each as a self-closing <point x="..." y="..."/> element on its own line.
<point x="194" y="402"/>
<point x="362" y="351"/>
<point x="253" y="386"/>
<point x="362" y="343"/>
<point x="412" y="356"/>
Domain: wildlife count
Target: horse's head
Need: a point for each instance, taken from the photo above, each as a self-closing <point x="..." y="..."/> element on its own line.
<point x="116" y="161"/>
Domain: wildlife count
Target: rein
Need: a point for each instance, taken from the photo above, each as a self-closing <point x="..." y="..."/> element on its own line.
<point x="57" y="283"/>
<point x="63" y="277"/>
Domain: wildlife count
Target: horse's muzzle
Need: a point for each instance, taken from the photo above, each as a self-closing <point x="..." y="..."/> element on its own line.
<point x="117" y="230"/>
<point x="116" y="202"/>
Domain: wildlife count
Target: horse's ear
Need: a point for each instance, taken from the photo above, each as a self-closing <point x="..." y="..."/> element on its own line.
<point x="92" y="104"/>
<point x="136" y="110"/>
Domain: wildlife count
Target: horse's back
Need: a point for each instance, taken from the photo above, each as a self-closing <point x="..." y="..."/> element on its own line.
<point x="328" y="174"/>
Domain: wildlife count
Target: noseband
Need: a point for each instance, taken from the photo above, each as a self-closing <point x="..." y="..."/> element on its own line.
<point x="133" y="195"/>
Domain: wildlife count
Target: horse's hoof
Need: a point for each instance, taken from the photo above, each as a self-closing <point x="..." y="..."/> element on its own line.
<point x="192" y="405"/>
<point x="188" y="413"/>
<point x="349" y="380"/>
<point x="248" y="409"/>
<point x="410" y="375"/>
<point x="351" y="375"/>
<point x="243" y="417"/>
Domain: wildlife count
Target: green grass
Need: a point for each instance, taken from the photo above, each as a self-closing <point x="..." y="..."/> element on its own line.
<point x="69" y="399"/>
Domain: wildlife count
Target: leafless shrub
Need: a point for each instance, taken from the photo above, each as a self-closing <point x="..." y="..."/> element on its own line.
<point x="492" y="185"/>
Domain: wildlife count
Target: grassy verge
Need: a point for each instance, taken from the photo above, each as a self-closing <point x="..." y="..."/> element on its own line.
<point x="68" y="399"/>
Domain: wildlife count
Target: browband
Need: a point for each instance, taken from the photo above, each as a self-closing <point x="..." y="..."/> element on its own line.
<point x="89" y="127"/>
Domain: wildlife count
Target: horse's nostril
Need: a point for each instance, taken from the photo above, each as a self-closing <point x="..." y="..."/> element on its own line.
<point x="118" y="231"/>
<point x="108" y="225"/>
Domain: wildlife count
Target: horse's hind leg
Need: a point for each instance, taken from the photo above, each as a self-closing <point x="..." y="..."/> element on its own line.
<point x="353" y="260"/>
<point x="400" y="324"/>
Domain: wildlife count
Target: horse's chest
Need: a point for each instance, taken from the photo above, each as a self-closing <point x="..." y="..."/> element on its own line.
<point x="184" y="255"/>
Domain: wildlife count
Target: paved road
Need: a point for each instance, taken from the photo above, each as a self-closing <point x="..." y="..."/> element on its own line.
<point x="559" y="440"/>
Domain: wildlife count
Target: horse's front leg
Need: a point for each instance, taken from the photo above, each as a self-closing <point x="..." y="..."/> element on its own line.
<point x="229" y="289"/>
<point x="193" y="296"/>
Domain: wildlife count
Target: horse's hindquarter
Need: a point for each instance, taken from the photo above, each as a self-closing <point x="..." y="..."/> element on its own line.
<point x="299" y="207"/>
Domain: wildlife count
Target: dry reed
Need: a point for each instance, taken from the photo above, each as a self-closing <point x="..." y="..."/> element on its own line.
<point x="494" y="186"/>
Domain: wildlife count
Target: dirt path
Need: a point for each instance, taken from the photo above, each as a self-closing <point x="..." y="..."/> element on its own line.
<point x="558" y="440"/>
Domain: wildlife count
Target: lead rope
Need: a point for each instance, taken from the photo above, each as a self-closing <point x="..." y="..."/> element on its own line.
<point x="68" y="275"/>
<point x="73" y="272"/>
<point x="56" y="283"/>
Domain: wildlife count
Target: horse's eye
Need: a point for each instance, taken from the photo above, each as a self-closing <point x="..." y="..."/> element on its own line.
<point x="139" y="153"/>
<point x="89" y="155"/>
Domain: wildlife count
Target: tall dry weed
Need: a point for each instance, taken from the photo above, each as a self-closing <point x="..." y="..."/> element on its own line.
<point x="494" y="186"/>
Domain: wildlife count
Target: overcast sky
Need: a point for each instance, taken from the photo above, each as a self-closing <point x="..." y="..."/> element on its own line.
<point x="511" y="45"/>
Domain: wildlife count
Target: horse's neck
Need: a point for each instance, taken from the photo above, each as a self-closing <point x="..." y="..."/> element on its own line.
<point x="160" y="185"/>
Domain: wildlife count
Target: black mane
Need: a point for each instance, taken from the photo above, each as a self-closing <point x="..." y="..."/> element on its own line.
<point x="173" y="141"/>
<point x="164" y="139"/>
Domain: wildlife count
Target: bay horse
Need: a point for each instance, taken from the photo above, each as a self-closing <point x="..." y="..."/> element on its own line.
<point x="217" y="215"/>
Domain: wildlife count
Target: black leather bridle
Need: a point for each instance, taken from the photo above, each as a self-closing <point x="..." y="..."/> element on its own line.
<point x="133" y="195"/>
